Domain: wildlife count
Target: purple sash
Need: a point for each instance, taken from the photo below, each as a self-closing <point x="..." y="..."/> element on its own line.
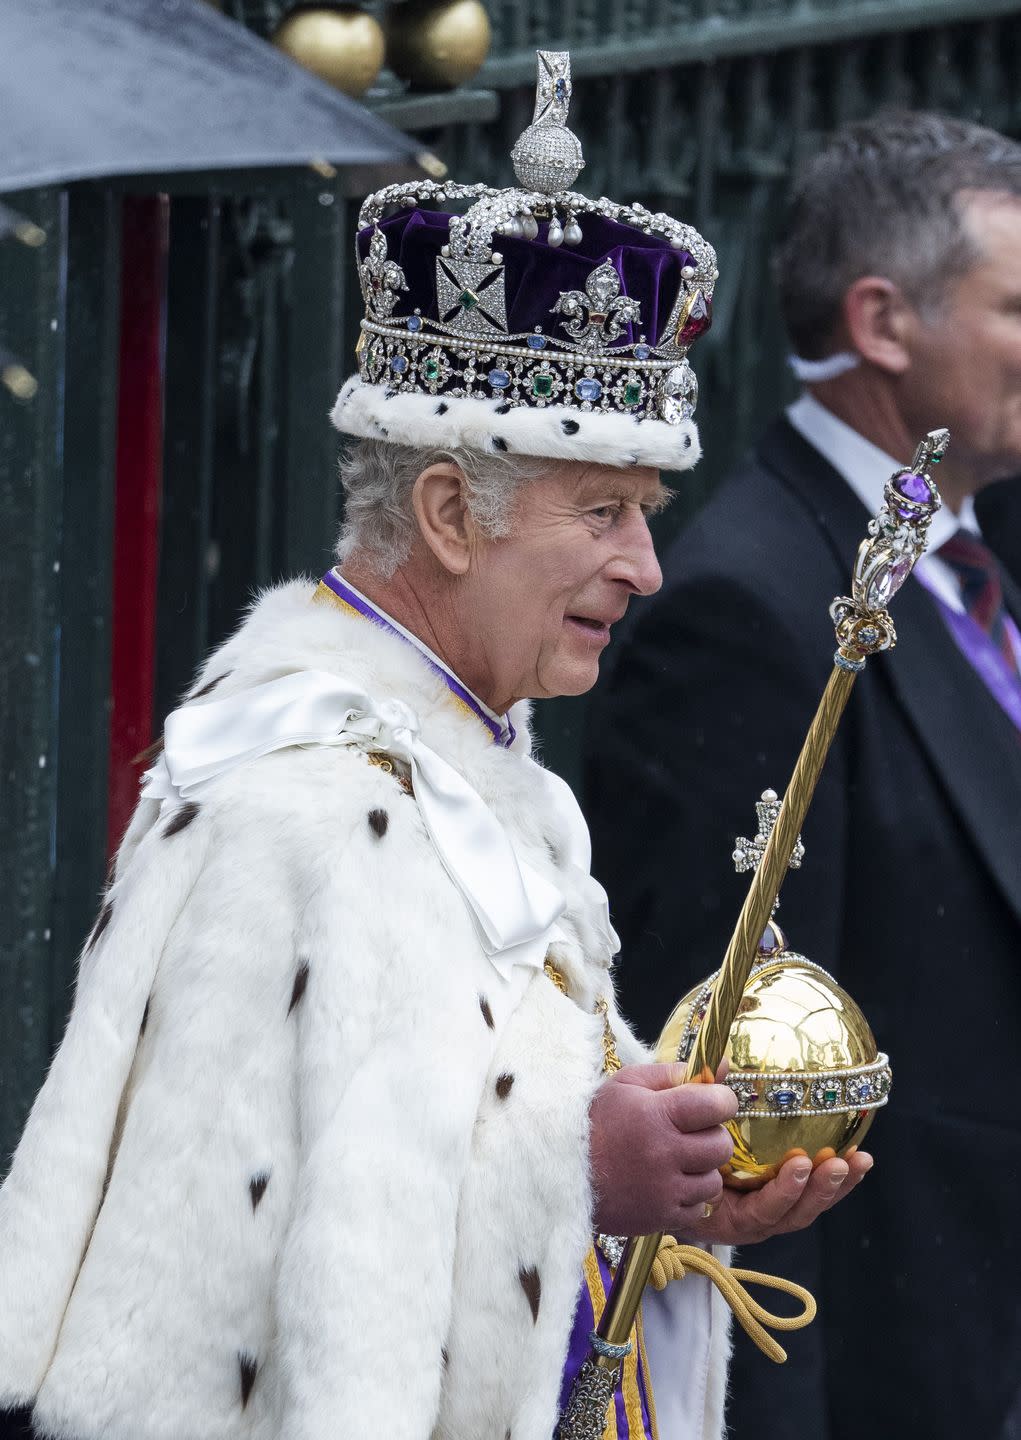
<point x="985" y="658"/>
<point x="630" y="1420"/>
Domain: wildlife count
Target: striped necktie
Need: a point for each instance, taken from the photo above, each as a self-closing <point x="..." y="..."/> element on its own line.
<point x="978" y="572"/>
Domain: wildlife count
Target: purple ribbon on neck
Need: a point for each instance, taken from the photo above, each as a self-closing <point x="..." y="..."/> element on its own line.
<point x="503" y="734"/>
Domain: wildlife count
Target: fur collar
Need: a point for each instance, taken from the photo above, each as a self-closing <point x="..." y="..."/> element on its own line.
<point x="288" y="630"/>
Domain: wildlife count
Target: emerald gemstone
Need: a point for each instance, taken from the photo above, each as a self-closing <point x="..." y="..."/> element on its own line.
<point x="468" y="299"/>
<point x="632" y="392"/>
<point x="830" y="1095"/>
<point x="542" y="385"/>
<point x="431" y="369"/>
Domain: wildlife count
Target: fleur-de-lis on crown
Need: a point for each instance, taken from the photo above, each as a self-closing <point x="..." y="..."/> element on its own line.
<point x="381" y="278"/>
<point x="598" y="316"/>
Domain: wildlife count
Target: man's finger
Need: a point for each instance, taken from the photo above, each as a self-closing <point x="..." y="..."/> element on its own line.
<point x="651" y="1077"/>
<point x="699" y="1107"/>
<point x="796" y="1198"/>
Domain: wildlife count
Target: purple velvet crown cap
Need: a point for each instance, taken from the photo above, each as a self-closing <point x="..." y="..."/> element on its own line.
<point x="534" y="320"/>
<point x="536" y="273"/>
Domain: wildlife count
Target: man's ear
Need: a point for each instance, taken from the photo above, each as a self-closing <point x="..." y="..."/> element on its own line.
<point x="444" y="520"/>
<point x="879" y="322"/>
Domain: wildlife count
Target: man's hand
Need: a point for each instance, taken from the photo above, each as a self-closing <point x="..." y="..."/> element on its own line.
<point x="657" y="1146"/>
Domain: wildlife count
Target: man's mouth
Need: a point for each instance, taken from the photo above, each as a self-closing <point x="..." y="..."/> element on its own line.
<point x="598" y="629"/>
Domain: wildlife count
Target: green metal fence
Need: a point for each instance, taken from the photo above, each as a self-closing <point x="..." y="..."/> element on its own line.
<point x="701" y="108"/>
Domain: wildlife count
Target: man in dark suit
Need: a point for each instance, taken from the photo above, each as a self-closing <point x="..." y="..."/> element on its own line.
<point x="900" y="278"/>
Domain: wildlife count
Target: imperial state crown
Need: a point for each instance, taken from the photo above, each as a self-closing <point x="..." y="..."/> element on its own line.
<point x="534" y="320"/>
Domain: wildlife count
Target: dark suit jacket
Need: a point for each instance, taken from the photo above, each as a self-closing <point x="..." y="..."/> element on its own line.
<point x="910" y="892"/>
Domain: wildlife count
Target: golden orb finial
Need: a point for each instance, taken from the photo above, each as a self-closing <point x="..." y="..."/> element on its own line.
<point x="436" y="44"/>
<point x="339" y="43"/>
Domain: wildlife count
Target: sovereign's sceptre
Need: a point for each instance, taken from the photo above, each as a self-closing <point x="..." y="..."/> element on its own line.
<point x="896" y="540"/>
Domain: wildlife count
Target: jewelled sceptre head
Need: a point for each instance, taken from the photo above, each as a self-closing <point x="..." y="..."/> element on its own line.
<point x="700" y="1031"/>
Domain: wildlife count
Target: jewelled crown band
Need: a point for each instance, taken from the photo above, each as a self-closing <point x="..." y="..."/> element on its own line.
<point x="537" y="321"/>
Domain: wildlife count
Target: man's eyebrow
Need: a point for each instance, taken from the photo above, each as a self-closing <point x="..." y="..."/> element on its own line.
<point x="652" y="502"/>
<point x="660" y="498"/>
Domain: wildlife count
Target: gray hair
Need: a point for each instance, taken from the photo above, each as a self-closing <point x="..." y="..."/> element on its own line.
<point x="883" y="197"/>
<point x="379" y="477"/>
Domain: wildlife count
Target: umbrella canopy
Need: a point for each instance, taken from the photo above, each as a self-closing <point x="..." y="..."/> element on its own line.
<point x="92" y="88"/>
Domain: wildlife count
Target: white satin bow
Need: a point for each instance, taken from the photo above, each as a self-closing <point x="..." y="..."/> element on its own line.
<point x="513" y="906"/>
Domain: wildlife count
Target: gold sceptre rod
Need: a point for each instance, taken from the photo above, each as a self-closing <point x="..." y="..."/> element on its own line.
<point x="897" y="538"/>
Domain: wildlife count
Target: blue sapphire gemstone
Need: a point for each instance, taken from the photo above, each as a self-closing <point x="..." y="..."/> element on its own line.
<point x="399" y="364"/>
<point x="536" y="342"/>
<point x="499" y="379"/>
<point x="784" y="1099"/>
<point x="641" y="352"/>
<point x="588" y="389"/>
<point x="414" y="322"/>
<point x="560" y="88"/>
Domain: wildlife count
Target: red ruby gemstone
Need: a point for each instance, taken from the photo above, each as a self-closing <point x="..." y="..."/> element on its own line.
<point x="699" y="318"/>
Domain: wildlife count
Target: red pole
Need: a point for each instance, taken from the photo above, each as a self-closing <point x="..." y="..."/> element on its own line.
<point x="138" y="495"/>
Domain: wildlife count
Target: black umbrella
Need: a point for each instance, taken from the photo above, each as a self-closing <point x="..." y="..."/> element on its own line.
<point x="93" y="88"/>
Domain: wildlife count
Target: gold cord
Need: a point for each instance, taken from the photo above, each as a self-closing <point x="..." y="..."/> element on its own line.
<point x="673" y="1261"/>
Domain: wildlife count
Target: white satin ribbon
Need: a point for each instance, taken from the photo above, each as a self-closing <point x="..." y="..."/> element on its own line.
<point x="513" y="906"/>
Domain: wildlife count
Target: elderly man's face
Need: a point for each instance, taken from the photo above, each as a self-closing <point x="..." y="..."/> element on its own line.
<point x="545" y="596"/>
<point x="966" y="363"/>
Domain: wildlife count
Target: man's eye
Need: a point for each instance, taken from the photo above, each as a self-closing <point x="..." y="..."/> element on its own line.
<point x="604" y="512"/>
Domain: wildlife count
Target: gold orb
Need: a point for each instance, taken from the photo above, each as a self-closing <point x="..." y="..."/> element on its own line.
<point x="339" y="43"/>
<point x="803" y="1064"/>
<point x="436" y="44"/>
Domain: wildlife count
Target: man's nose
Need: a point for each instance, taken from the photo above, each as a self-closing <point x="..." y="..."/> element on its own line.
<point x="638" y="563"/>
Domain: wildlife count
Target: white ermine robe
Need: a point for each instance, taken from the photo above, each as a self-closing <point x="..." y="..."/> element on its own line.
<point x="305" y="1166"/>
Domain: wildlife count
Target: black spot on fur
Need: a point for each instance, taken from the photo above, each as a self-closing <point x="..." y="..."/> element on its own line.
<point x="209" y="686"/>
<point x="532" y="1286"/>
<point x="181" y="819"/>
<point x="378" y="822"/>
<point x="300" y="981"/>
<point x="570" y="427"/>
<point x="383" y="431"/>
<point x="249" y="1367"/>
<point x="503" y="1085"/>
<point x="104" y="919"/>
<point x="498" y="442"/>
<point x="632" y="459"/>
<point x="687" y="442"/>
<point x="257" y="1187"/>
<point x="17" y="1424"/>
<point x="442" y="408"/>
<point x="445" y="1357"/>
<point x="502" y="409"/>
<point x="487" y="1013"/>
<point x="145" y="1018"/>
